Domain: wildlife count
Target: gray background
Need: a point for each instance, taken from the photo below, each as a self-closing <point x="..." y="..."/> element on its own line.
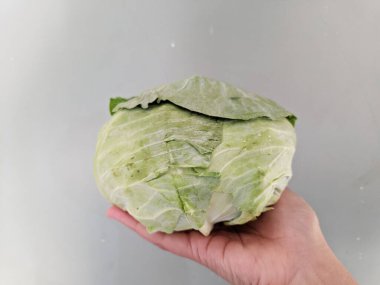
<point x="60" y="61"/>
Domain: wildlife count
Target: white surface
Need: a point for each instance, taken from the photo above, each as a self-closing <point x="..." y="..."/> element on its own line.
<point x="61" y="60"/>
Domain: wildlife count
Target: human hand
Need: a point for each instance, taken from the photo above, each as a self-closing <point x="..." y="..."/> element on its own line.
<point x="283" y="246"/>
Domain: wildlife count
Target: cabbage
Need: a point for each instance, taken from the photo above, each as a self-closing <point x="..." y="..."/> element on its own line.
<point x="194" y="153"/>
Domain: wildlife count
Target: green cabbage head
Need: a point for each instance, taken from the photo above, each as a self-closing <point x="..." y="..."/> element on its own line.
<point x="194" y="153"/>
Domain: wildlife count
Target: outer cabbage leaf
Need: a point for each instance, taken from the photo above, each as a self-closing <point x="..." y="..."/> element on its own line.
<point x="254" y="162"/>
<point x="154" y="165"/>
<point x="209" y="97"/>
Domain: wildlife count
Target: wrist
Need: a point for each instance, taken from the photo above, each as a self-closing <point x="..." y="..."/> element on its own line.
<point x="322" y="267"/>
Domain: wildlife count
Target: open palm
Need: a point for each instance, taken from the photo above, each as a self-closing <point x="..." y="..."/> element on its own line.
<point x="274" y="249"/>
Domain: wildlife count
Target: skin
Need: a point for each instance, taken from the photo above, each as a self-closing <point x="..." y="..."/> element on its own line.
<point x="283" y="246"/>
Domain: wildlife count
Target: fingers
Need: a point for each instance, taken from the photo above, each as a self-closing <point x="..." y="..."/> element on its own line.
<point x="126" y="219"/>
<point x="177" y="243"/>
